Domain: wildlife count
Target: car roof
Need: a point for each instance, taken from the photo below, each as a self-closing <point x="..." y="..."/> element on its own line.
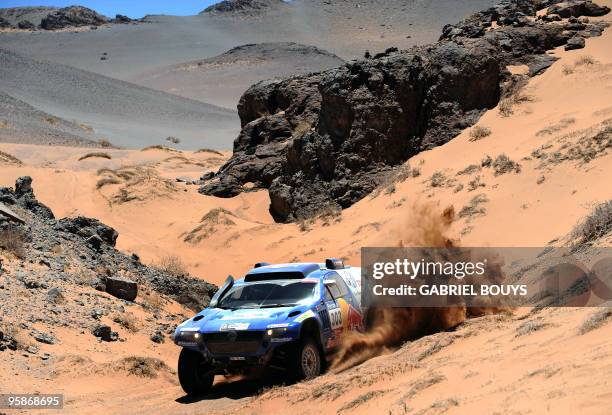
<point x="305" y="268"/>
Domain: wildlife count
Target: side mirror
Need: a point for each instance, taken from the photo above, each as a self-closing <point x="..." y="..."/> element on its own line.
<point x="227" y="285"/>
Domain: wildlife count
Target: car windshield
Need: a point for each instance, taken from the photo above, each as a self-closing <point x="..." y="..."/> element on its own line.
<point x="268" y="294"/>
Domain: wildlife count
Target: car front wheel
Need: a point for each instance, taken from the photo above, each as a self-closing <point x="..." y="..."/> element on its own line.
<point x="307" y="360"/>
<point x="195" y="374"/>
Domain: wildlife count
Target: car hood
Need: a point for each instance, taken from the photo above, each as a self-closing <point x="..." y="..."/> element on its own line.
<point x="216" y="319"/>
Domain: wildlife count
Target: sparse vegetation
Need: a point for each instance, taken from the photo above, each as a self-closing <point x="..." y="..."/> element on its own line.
<point x="13" y="240"/>
<point x="474" y="208"/>
<point x="173" y="265"/>
<point x="209" y="224"/>
<point x="585" y="60"/>
<point x="209" y="150"/>
<point x="475" y="184"/>
<point x="479" y="132"/>
<point x="146" y="367"/>
<point x="6" y="158"/>
<point x="567" y="70"/>
<point x="361" y="399"/>
<point x="104" y="143"/>
<point x="438" y="179"/>
<point x="530" y="327"/>
<point x="562" y="124"/>
<point x="472" y="168"/>
<point x="139" y="183"/>
<point x="596" y="320"/>
<point x="97" y="154"/>
<point x="514" y="95"/>
<point x="503" y="164"/>
<point x="127" y="321"/>
<point x="52" y="120"/>
<point x="162" y="148"/>
<point x="596" y="225"/>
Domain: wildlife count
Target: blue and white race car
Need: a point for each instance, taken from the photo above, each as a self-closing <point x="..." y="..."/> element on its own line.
<point x="289" y="316"/>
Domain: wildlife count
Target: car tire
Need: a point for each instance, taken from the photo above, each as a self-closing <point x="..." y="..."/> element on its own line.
<point x="195" y="374"/>
<point x="307" y="360"/>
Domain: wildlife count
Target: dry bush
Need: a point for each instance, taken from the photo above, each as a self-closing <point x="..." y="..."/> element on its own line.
<point x="567" y="70"/>
<point x="173" y="140"/>
<point x="6" y="158"/>
<point x="151" y="300"/>
<point x="503" y="164"/>
<point x="52" y="120"/>
<point x="472" y="168"/>
<point x="562" y="124"/>
<point x="514" y="95"/>
<point x="105" y="181"/>
<point x="105" y="143"/>
<point x="585" y="60"/>
<point x="97" y="154"/>
<point x="474" y="208"/>
<point x="397" y="175"/>
<point x="127" y="321"/>
<point x="209" y="150"/>
<point x="596" y="225"/>
<point x="529" y="327"/>
<point x="475" y="184"/>
<point x="13" y="240"/>
<point x="146" y="367"/>
<point x="479" y="132"/>
<point x="596" y="320"/>
<point x="438" y="179"/>
<point x="162" y="148"/>
<point x="173" y="265"/>
<point x="139" y="183"/>
<point x="209" y="224"/>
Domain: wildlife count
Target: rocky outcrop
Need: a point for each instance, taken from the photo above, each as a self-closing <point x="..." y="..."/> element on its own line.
<point x="73" y="16"/>
<point x="5" y="24"/>
<point x="325" y="140"/>
<point x="241" y="6"/>
<point x="577" y="9"/>
<point x="65" y="251"/>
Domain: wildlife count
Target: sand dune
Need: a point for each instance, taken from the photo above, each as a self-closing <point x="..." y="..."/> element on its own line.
<point x="126" y="114"/>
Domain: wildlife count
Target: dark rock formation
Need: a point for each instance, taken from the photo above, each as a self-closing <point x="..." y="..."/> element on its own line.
<point x="44" y="237"/>
<point x="122" y="288"/>
<point x="88" y="227"/>
<point x="26" y="25"/>
<point x="105" y="333"/>
<point x="5" y="24"/>
<point x="121" y="19"/>
<point x="577" y="9"/>
<point x="576" y="42"/>
<point x="325" y="140"/>
<point x="73" y="16"/>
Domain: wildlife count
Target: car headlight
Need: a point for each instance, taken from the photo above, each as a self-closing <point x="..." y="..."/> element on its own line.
<point x="276" y="332"/>
<point x="188" y="337"/>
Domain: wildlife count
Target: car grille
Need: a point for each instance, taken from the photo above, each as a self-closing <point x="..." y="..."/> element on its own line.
<point x="233" y="342"/>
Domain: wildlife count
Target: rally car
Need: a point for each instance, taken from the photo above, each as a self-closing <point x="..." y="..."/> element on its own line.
<point x="288" y="316"/>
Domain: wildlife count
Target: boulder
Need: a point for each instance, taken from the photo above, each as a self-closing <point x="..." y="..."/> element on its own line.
<point x="577" y="42"/>
<point x="577" y="9"/>
<point x="105" y="333"/>
<point x="88" y="227"/>
<point x="26" y="25"/>
<point x="121" y="19"/>
<point x="122" y="288"/>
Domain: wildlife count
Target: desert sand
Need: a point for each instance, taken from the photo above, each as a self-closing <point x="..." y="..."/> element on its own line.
<point x="523" y="362"/>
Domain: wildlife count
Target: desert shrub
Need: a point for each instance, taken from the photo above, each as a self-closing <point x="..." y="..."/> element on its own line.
<point x="107" y="180"/>
<point x="173" y="265"/>
<point x="567" y="70"/>
<point x="472" y="168"/>
<point x="475" y="184"/>
<point x="146" y="367"/>
<point x="97" y="154"/>
<point x="563" y="123"/>
<point x="503" y="164"/>
<point x="585" y="60"/>
<point x="530" y="327"/>
<point x="209" y="150"/>
<point x="127" y="321"/>
<point x="52" y="120"/>
<point x="437" y="179"/>
<point x="6" y="158"/>
<point x="596" y="320"/>
<point x="474" y="208"/>
<point x="478" y="132"/>
<point x="597" y="224"/>
<point x="105" y="143"/>
<point x="160" y="147"/>
<point x="173" y="140"/>
<point x="13" y="240"/>
<point x="514" y="95"/>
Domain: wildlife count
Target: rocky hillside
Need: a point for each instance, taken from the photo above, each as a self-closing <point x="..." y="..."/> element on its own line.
<point x="323" y="141"/>
<point x="54" y="18"/>
<point x="70" y="268"/>
<point x="241" y="7"/>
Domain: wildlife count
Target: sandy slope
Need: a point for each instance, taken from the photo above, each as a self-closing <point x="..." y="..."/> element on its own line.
<point x="485" y="365"/>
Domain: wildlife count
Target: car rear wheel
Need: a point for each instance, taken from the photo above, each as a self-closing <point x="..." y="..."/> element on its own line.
<point x="307" y="360"/>
<point x="195" y="374"/>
